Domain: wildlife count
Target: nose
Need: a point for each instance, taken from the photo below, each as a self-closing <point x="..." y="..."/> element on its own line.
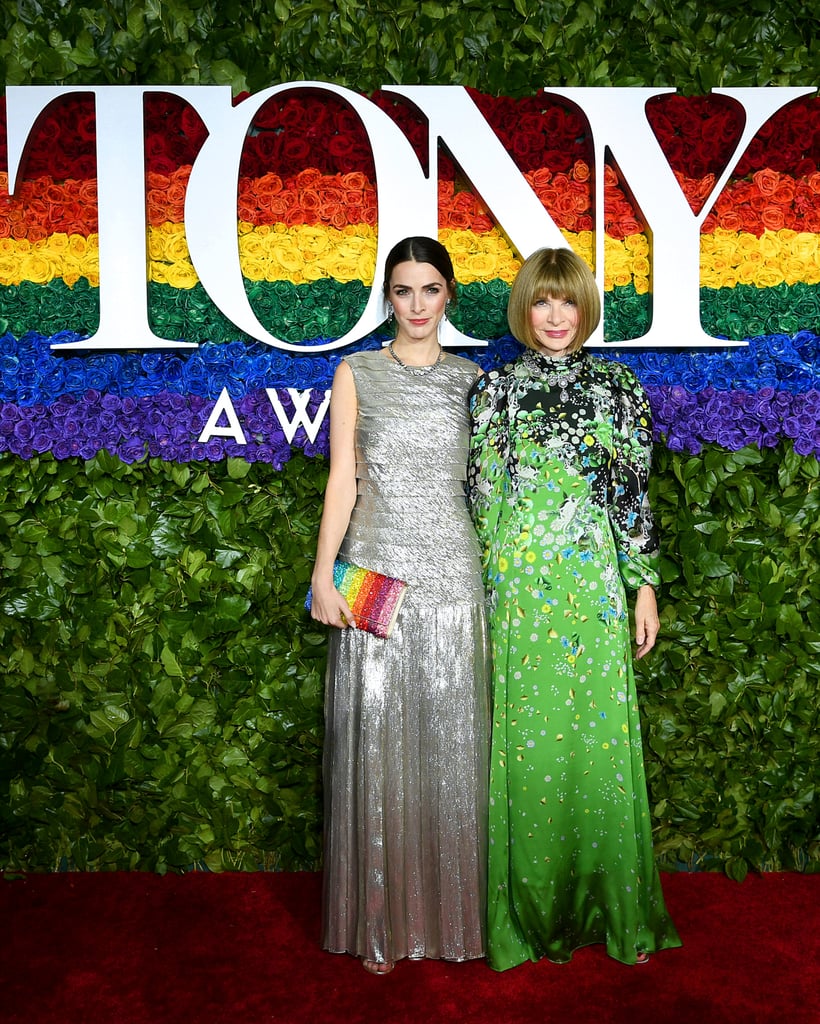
<point x="418" y="303"/>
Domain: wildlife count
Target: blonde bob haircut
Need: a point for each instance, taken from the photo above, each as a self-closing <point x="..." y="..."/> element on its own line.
<point x="553" y="274"/>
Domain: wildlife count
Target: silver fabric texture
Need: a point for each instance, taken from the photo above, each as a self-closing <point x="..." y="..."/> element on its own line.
<point x="406" y="719"/>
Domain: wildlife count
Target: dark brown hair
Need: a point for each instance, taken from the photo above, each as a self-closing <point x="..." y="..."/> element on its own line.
<point x="420" y="249"/>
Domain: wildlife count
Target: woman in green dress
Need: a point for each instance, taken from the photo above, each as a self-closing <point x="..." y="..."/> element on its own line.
<point x="559" y="464"/>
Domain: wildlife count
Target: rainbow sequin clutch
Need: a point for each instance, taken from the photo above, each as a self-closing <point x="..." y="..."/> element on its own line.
<point x="374" y="599"/>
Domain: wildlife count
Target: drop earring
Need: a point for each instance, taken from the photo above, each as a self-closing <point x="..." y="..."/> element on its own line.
<point x="390" y="312"/>
<point x="446" y="309"/>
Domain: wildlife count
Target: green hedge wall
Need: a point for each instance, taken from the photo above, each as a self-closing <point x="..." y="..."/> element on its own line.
<point x="510" y="47"/>
<point x="162" y="684"/>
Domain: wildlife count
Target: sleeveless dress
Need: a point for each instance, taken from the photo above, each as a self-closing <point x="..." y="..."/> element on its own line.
<point x="406" y="719"/>
<point x="559" y="471"/>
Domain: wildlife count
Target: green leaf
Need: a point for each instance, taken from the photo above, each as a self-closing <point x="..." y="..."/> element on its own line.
<point x="170" y="663"/>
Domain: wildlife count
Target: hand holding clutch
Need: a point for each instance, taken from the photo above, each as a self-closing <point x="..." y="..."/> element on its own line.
<point x="374" y="599"/>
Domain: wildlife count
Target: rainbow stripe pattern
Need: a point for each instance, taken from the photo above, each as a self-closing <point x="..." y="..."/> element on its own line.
<point x="307" y="232"/>
<point x="374" y="599"/>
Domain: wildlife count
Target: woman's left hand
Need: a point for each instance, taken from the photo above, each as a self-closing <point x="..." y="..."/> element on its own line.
<point x="647" y="623"/>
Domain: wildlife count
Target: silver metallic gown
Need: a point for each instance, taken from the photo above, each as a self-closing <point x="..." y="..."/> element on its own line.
<point x="406" y="744"/>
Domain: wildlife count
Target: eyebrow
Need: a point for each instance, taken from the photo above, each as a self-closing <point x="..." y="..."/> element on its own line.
<point x="430" y="284"/>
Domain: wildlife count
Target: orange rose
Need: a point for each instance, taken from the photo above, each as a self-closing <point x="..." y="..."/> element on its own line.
<point x="354" y="180"/>
<point x="766" y="181"/>
<point x="628" y="225"/>
<point x="457" y="220"/>
<point x="278" y="207"/>
<point x="155" y="180"/>
<point x="580" y="171"/>
<point x="333" y="194"/>
<point x="88" y="192"/>
<point x="269" y="184"/>
<point x="155" y="207"/>
<point x="335" y="214"/>
<point x="445" y="190"/>
<point x="308" y="178"/>
<point x="246" y="210"/>
<point x="784" y="193"/>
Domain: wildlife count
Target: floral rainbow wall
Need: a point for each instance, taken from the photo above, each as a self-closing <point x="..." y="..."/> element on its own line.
<point x="307" y="235"/>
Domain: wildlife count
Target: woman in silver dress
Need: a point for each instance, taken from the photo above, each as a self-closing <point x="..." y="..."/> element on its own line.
<point x="406" y="719"/>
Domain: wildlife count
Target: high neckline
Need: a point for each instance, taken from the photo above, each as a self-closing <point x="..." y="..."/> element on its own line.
<point x="544" y="364"/>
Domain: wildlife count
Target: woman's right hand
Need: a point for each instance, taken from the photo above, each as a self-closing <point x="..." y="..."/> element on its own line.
<point x="328" y="606"/>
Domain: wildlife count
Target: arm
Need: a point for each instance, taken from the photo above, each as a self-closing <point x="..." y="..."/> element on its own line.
<point x="630" y="514"/>
<point x="647" y="623"/>
<point x="488" y="472"/>
<point x="328" y="605"/>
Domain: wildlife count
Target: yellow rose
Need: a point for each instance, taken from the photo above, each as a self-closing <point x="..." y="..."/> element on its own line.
<point x="176" y="247"/>
<point x="342" y="268"/>
<point x="253" y="247"/>
<point x="640" y="266"/>
<point x="79" y="246"/>
<point x="57" y="243"/>
<point x="157" y="272"/>
<point x="181" y="275"/>
<point x="802" y="245"/>
<point x="9" y="269"/>
<point x="770" y="244"/>
<point x="288" y="260"/>
<point x="91" y="268"/>
<point x="156" y="246"/>
<point x="639" y="244"/>
<point x="35" y="267"/>
<point x="72" y="271"/>
<point x="366" y="267"/>
<point x="482" y="266"/>
<point x="767" y="276"/>
<point x="313" y="239"/>
<point x="747" y="272"/>
<point x="255" y="268"/>
<point x="314" y="271"/>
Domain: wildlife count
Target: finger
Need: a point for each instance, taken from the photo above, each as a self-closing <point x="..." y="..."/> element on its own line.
<point x="346" y="616"/>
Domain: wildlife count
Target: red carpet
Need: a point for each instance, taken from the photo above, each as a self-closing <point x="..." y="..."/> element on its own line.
<point x="242" y="949"/>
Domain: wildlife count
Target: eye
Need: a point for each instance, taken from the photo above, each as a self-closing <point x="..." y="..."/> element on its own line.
<point x="569" y="302"/>
<point x="399" y="291"/>
<point x="434" y="289"/>
<point x="539" y="302"/>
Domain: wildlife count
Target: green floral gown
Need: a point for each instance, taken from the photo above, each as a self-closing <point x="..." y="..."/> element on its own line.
<point x="559" y="465"/>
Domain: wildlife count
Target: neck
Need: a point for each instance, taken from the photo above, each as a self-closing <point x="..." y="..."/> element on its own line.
<point x="416" y="353"/>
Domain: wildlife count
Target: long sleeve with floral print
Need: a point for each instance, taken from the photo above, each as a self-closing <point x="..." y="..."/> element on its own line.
<point x="589" y="415"/>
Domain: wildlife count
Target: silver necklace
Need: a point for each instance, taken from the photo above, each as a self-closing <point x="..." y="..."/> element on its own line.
<point x="563" y="378"/>
<point x="563" y="382"/>
<point x="417" y="371"/>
